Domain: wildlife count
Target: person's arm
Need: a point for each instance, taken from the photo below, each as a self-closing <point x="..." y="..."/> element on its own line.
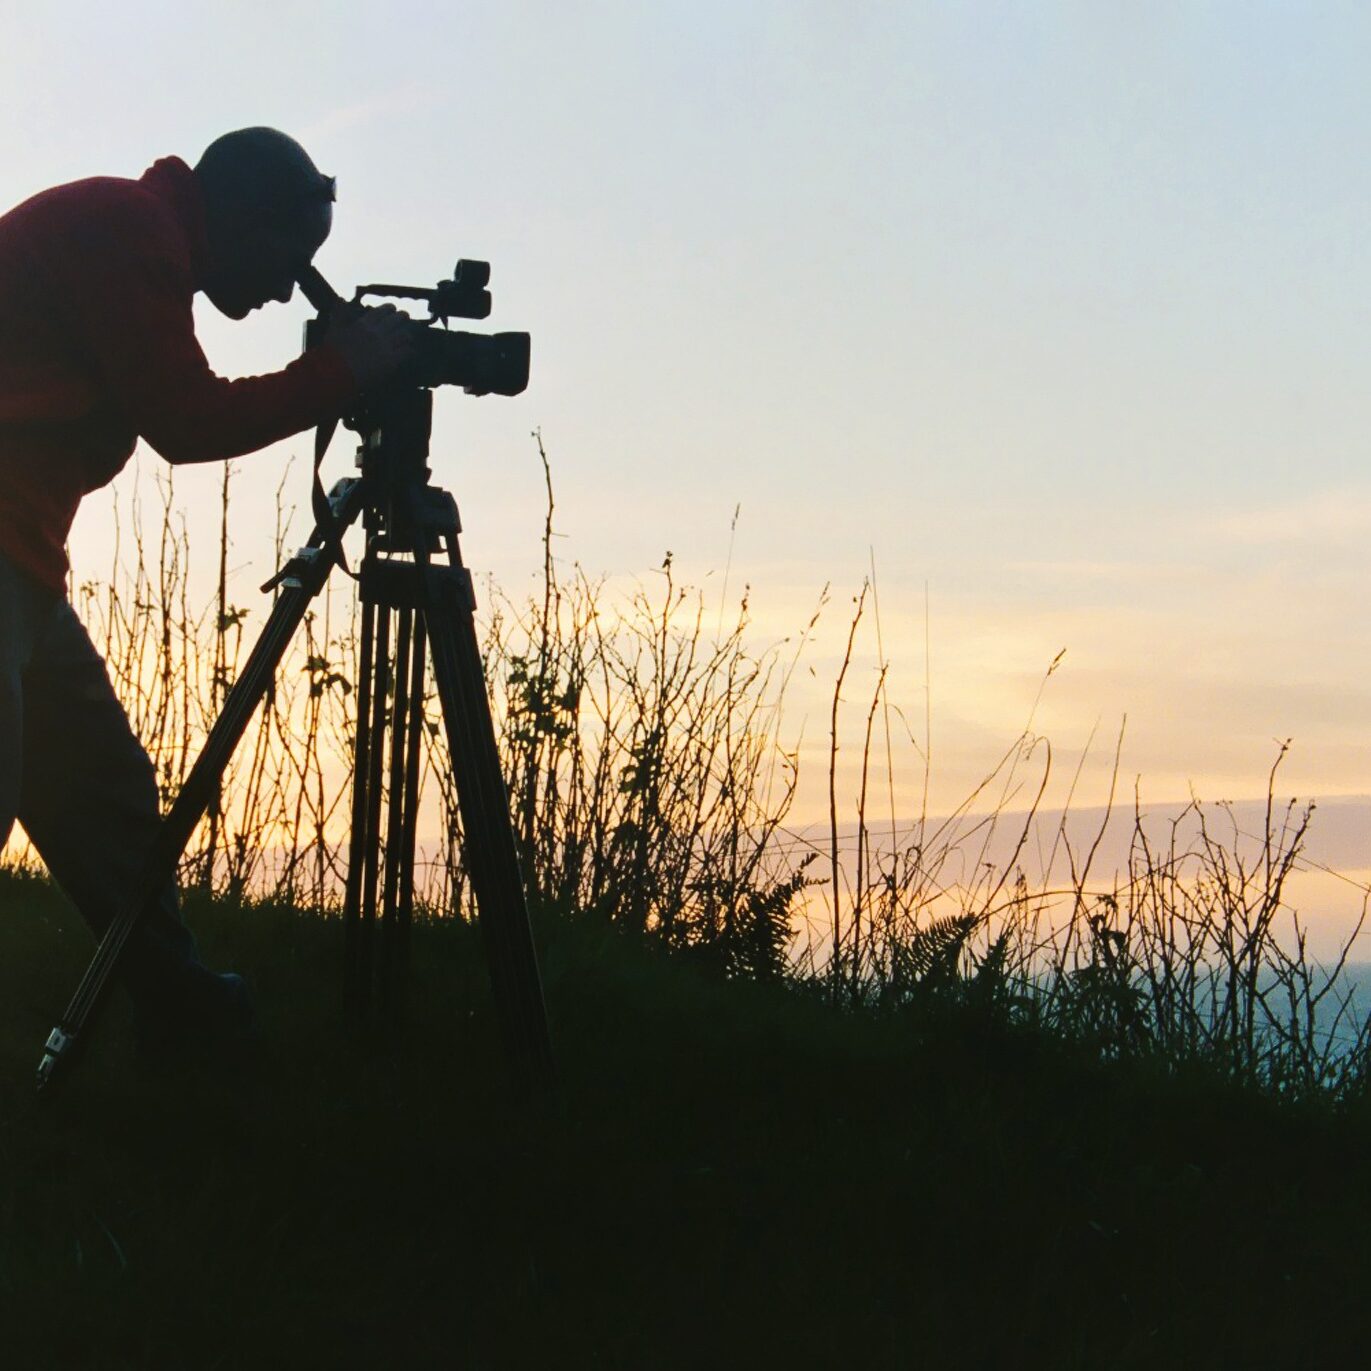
<point x="127" y="296"/>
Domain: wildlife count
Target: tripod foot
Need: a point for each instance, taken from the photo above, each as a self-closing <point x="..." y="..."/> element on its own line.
<point x="59" y="1043"/>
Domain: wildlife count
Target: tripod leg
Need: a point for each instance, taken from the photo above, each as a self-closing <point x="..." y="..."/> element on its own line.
<point x="413" y="738"/>
<point x="397" y="792"/>
<point x="366" y="933"/>
<point x="301" y="580"/>
<point x="354" y="988"/>
<point x="488" y="850"/>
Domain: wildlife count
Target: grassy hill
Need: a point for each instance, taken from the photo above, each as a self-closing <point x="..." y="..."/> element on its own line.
<point x="736" y="1176"/>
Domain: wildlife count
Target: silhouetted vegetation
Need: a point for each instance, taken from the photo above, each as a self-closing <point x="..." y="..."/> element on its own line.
<point x="652" y="782"/>
<point x="738" y="1176"/>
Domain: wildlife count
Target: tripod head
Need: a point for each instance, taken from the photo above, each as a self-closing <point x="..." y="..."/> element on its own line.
<point x="481" y="363"/>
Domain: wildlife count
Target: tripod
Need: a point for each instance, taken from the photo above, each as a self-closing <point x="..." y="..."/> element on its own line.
<point x="430" y="606"/>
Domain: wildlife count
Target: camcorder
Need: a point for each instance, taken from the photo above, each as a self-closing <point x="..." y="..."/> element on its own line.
<point x="481" y="363"/>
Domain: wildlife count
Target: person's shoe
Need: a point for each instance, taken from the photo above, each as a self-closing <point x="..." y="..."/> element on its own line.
<point x="208" y="1020"/>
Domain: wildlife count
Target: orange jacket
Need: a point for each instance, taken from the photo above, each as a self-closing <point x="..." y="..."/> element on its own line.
<point x="98" y="348"/>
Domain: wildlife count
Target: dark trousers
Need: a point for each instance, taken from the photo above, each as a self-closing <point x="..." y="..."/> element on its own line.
<point x="76" y="778"/>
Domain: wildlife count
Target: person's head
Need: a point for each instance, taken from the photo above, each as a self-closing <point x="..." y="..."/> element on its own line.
<point x="268" y="209"/>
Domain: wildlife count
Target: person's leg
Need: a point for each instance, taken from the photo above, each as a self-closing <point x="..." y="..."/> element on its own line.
<point x="25" y="609"/>
<point x="89" y="804"/>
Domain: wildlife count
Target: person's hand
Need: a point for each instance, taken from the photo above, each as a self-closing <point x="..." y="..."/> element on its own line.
<point x="375" y="342"/>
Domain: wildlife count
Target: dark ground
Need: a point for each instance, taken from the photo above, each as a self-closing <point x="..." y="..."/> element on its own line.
<point x="736" y="1177"/>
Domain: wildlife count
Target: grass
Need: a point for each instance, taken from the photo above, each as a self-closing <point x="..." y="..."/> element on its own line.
<point x="737" y="1175"/>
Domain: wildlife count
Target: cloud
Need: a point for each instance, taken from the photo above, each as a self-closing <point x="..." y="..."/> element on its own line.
<point x="1322" y="517"/>
<point x="348" y="118"/>
<point x="1126" y="573"/>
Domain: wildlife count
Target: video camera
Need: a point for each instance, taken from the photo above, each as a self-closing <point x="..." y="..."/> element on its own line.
<point x="481" y="363"/>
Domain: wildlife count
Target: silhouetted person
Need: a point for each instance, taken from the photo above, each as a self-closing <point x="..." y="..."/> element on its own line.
<point x="98" y="349"/>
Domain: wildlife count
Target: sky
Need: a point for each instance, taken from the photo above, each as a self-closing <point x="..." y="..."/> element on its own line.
<point x="1056" y="315"/>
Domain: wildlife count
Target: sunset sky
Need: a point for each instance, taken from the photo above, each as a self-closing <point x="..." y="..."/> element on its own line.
<point x="1062" y="313"/>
